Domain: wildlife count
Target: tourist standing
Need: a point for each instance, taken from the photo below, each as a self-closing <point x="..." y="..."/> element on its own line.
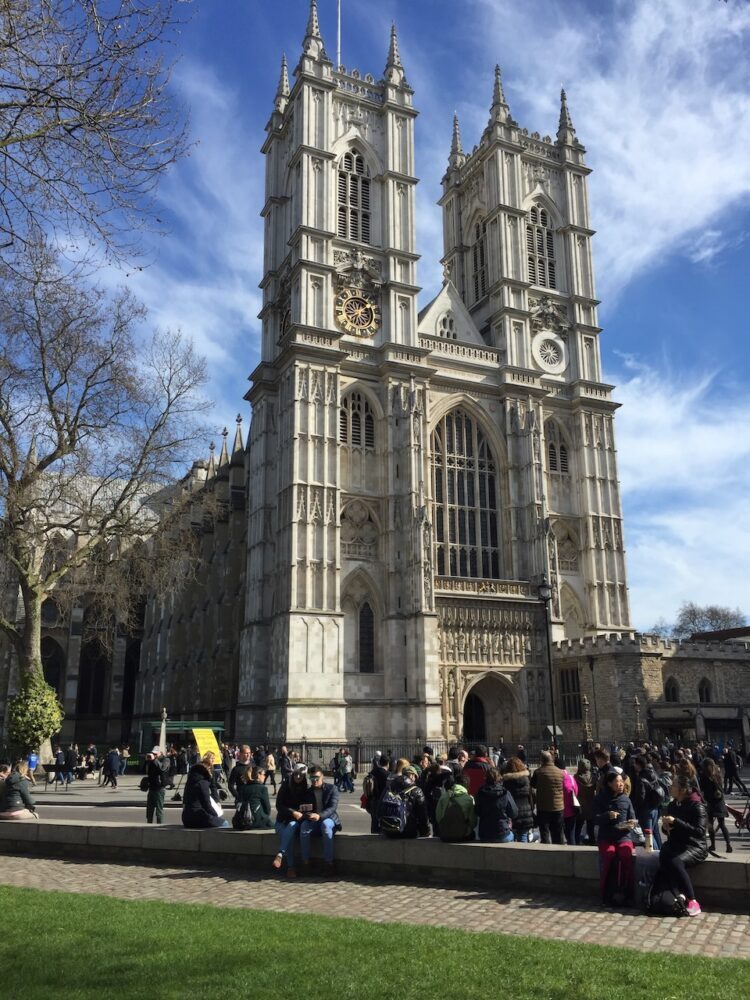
<point x="547" y="782"/>
<point x="156" y="773"/>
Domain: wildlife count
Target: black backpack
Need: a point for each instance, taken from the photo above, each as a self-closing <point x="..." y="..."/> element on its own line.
<point x="392" y="813"/>
<point x="661" y="901"/>
<point x="246" y="816"/>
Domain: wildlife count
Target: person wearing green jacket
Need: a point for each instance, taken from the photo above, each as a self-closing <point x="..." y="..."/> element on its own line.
<point x="251" y="789"/>
<point x="455" y="813"/>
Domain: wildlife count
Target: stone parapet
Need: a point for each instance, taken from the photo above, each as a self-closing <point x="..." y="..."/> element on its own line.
<point x="637" y="642"/>
<point x="721" y="884"/>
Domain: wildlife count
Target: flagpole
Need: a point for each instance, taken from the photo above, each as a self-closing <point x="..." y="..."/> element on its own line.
<point x="338" y="35"/>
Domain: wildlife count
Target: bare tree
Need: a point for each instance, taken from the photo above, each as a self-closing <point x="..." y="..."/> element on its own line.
<point x="693" y="618"/>
<point x="87" y="124"/>
<point x="95" y="432"/>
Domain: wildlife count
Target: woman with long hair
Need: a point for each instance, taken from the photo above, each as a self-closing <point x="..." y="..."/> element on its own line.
<point x="685" y="823"/>
<point x="615" y="817"/>
<point x="711" y="786"/>
<point x="516" y="780"/>
<point x="289" y="816"/>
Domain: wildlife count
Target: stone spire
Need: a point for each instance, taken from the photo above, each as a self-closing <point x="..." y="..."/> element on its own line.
<point x="211" y="461"/>
<point x="224" y="454"/>
<point x="456" y="158"/>
<point x="394" y="69"/>
<point x="312" y="44"/>
<point x="238" y="448"/>
<point x="499" y="112"/>
<point x="566" y="134"/>
<point x="282" y="91"/>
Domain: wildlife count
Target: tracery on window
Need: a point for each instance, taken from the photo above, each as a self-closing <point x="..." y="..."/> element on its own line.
<point x="567" y="555"/>
<point x="447" y="326"/>
<point x="671" y="690"/>
<point x="557" y="449"/>
<point x="540" y="246"/>
<point x="357" y="422"/>
<point x="465" y="488"/>
<point x="354" y="198"/>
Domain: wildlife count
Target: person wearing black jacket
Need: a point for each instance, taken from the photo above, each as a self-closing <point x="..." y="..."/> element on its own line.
<point x="495" y="810"/>
<point x="685" y="824"/>
<point x="244" y="761"/>
<point x="379" y="774"/>
<point x="716" y="806"/>
<point x="157" y="769"/>
<point x="197" y="811"/>
<point x="439" y="778"/>
<point x="646" y="796"/>
<point x="516" y="780"/>
<point x="321" y="818"/>
<point x="417" y="820"/>
<point x="289" y="814"/>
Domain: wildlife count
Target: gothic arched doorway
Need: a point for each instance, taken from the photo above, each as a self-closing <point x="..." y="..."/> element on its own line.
<point x="474" y="724"/>
<point x="490" y="713"/>
<point x="53" y="664"/>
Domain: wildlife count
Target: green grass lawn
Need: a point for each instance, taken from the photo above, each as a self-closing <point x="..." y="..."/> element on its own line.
<point x="71" y="947"/>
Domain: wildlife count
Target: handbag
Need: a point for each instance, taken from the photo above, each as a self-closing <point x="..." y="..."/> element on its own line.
<point x="216" y="807"/>
<point x="576" y="803"/>
<point x="637" y="835"/>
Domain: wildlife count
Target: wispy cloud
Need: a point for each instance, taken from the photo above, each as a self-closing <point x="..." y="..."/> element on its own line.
<point x="684" y="462"/>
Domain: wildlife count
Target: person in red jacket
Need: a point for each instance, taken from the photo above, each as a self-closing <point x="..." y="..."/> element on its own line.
<point x="476" y="769"/>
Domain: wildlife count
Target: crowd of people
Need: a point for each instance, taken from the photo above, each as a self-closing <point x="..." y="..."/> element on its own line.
<point x="668" y="799"/>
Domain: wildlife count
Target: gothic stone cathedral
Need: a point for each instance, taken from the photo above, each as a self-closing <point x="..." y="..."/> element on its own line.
<point x="412" y="476"/>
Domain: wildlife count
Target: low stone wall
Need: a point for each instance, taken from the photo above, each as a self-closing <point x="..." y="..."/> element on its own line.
<point x="721" y="884"/>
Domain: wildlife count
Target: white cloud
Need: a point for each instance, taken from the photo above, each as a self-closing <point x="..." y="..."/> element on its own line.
<point x="661" y="96"/>
<point x="684" y="463"/>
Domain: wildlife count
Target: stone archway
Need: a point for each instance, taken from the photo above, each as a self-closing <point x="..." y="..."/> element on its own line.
<point x="490" y="703"/>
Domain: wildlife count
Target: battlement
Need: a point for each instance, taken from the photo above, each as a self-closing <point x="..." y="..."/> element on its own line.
<point x="643" y="642"/>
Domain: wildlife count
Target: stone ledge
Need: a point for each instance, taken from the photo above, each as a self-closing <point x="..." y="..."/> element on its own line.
<point x="722" y="884"/>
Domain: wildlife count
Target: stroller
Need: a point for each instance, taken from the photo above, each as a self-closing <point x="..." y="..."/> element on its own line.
<point x="741" y="816"/>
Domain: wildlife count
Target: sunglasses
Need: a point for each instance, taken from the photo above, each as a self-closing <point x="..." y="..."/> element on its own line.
<point x="316" y="777"/>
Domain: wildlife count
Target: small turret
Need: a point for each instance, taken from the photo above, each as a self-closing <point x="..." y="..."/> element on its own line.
<point x="566" y="134"/>
<point x="457" y="157"/>
<point x="394" y="69"/>
<point x="312" y="44"/>
<point x="282" y="91"/>
<point x="499" y="112"/>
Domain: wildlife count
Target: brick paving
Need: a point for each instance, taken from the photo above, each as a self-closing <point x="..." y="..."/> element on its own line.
<point x="712" y="934"/>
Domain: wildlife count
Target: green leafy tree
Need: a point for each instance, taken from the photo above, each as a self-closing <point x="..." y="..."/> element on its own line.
<point x="34" y="714"/>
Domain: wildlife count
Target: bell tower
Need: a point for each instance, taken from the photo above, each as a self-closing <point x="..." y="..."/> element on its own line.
<point x="336" y="602"/>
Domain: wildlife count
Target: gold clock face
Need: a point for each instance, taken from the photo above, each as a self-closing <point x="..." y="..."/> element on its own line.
<point x="357" y="313"/>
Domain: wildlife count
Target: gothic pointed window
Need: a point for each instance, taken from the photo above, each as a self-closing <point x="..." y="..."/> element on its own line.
<point x="671" y="690"/>
<point x="366" y="639"/>
<point x="465" y="491"/>
<point x="357" y="422"/>
<point x="479" y="261"/>
<point x="704" y="691"/>
<point x="540" y="247"/>
<point x="558" y="462"/>
<point x="353" y="222"/>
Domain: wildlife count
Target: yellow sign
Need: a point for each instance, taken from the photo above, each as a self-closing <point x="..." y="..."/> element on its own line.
<point x="206" y="742"/>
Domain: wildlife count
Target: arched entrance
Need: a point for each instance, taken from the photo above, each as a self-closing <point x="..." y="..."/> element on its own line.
<point x="490" y="713"/>
<point x="53" y="663"/>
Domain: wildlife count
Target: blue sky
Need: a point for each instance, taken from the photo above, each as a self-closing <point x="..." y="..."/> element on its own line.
<point x="660" y="95"/>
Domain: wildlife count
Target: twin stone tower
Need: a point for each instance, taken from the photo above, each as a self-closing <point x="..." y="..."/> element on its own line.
<point x="413" y="476"/>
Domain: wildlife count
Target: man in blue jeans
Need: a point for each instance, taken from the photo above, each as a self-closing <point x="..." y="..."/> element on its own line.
<point x="321" y="818"/>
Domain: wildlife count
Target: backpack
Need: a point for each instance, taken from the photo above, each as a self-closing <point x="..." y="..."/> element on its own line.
<point x="454" y="825"/>
<point x="143" y="784"/>
<point x="661" y="901"/>
<point x="656" y="794"/>
<point x="368" y="786"/>
<point x="393" y="812"/>
<point x="245" y="817"/>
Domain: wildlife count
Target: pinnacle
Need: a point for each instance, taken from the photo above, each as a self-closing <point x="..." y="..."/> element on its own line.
<point x="394" y="56"/>
<point x="224" y="454"/>
<point x="566" y="133"/>
<point x="313" y="25"/>
<point x="282" y="91"/>
<point x="500" y="112"/>
<point x="456" y="146"/>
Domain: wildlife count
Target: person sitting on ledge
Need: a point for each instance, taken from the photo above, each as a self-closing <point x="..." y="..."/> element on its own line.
<point x="320" y="817"/>
<point x="200" y="808"/>
<point x="251" y="789"/>
<point x="402" y="811"/>
<point x="615" y="817"/>
<point x="455" y="813"/>
<point x="685" y="823"/>
<point x="495" y="810"/>
<point x="15" y="801"/>
<point x="289" y="814"/>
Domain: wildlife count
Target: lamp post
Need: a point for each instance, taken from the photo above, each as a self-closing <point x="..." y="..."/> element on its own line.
<point x="587" y="733"/>
<point x="638" y="723"/>
<point x="545" y="596"/>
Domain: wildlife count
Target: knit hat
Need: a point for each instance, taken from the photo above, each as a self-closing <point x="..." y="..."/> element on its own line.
<point x="583" y="766"/>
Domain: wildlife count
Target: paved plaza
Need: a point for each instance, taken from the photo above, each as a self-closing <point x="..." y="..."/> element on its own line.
<point x="545" y="916"/>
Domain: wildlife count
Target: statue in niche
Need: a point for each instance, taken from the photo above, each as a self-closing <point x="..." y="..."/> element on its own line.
<point x="496" y="645"/>
<point x="460" y="647"/>
<point x="473" y="646"/>
<point x="450" y="643"/>
<point x="452" y="686"/>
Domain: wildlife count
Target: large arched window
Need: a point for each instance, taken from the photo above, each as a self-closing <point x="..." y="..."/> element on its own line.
<point x="356" y="422"/>
<point x="540" y="247"/>
<point x="704" y="691"/>
<point x="467" y="533"/>
<point x="671" y="690"/>
<point x="354" y="198"/>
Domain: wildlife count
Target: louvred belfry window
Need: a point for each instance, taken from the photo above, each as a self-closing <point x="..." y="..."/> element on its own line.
<point x="353" y="199"/>
<point x="479" y="261"/>
<point x="540" y="246"/>
<point x="357" y="422"/>
<point x="465" y="488"/>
